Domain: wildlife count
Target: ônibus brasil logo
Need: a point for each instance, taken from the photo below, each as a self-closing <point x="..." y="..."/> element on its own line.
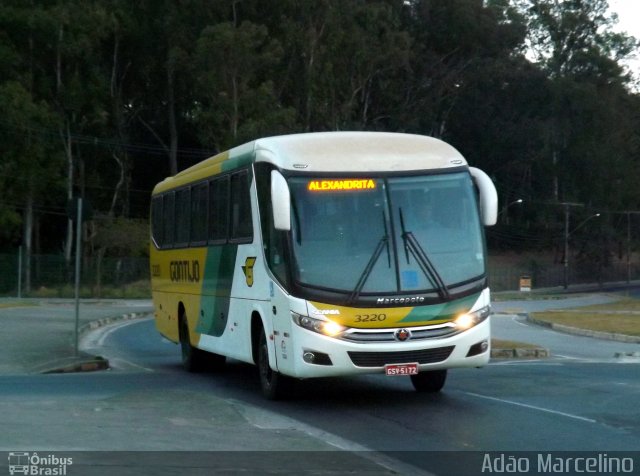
<point x="24" y="462"/>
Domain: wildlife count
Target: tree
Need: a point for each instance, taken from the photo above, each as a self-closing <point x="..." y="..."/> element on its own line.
<point x="237" y="101"/>
<point x="31" y="166"/>
<point x="575" y="45"/>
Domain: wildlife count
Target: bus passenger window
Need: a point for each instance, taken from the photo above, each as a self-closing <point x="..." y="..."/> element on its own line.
<point x="168" y="208"/>
<point x="241" y="224"/>
<point x="156" y="221"/>
<point x="183" y="215"/>
<point x="218" y="209"/>
<point x="199" y="214"/>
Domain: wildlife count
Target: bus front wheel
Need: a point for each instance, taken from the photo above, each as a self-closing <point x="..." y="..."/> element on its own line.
<point x="429" y="382"/>
<point x="273" y="384"/>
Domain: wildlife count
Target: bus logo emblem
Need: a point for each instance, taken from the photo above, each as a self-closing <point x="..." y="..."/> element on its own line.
<point x="247" y="269"/>
<point x="402" y="335"/>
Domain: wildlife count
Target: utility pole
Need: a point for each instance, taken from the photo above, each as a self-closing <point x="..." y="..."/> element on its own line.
<point x="567" y="233"/>
<point x="566" y="239"/>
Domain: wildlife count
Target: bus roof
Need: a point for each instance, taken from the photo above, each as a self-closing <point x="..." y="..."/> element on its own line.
<point x="329" y="152"/>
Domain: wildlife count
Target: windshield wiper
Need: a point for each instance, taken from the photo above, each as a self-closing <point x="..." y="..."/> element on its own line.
<point x="412" y="245"/>
<point x="384" y="242"/>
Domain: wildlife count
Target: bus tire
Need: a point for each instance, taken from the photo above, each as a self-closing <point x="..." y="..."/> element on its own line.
<point x="193" y="359"/>
<point x="274" y="385"/>
<point x="429" y="382"/>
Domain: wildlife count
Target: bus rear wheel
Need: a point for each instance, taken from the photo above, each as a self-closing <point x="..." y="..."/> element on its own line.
<point x="274" y="385"/>
<point x="429" y="382"/>
<point x="193" y="359"/>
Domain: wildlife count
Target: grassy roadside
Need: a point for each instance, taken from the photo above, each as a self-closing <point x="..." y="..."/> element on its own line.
<point x="622" y="317"/>
<point x="530" y="296"/>
<point x="6" y="305"/>
<point x="511" y="344"/>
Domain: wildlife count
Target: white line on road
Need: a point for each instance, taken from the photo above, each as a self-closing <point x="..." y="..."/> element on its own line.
<point x="267" y="420"/>
<point x="122" y="364"/>
<point x="526" y="362"/>
<point x="569" y="357"/>
<point x="532" y="407"/>
<point x="523" y="324"/>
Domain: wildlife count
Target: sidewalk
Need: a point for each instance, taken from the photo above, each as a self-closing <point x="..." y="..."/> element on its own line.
<point x="38" y="334"/>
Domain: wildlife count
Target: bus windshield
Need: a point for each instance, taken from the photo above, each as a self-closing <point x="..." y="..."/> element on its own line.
<point x="418" y="233"/>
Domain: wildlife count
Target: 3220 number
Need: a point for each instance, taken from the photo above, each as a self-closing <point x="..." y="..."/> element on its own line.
<point x="370" y="317"/>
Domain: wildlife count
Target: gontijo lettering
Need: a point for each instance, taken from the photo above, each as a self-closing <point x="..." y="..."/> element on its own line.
<point x="351" y="184"/>
<point x="184" y="271"/>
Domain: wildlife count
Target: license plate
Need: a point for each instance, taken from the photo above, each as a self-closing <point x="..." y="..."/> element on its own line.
<point x="401" y="369"/>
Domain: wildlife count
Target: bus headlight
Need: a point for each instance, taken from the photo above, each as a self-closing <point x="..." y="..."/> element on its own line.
<point x="321" y="326"/>
<point x="470" y="319"/>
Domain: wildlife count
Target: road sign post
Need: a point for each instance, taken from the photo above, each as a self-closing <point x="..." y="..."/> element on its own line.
<point x="78" y="267"/>
<point x="19" y="272"/>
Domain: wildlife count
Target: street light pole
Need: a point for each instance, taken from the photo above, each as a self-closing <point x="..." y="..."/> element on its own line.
<point x="504" y="209"/>
<point x="567" y="233"/>
<point x="566" y="239"/>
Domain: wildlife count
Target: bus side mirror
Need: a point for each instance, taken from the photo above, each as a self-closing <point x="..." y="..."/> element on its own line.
<point x="280" y="202"/>
<point x="488" y="197"/>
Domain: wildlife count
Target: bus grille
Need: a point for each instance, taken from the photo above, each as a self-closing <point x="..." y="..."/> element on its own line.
<point x="388" y="335"/>
<point x="380" y="359"/>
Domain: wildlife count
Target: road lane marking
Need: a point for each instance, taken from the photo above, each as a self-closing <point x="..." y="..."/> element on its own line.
<point x="532" y="407"/>
<point x="269" y="420"/>
<point x="569" y="357"/>
<point x="526" y="362"/>
<point x="122" y="364"/>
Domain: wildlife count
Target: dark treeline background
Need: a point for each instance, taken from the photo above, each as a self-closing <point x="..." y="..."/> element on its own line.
<point x="104" y="98"/>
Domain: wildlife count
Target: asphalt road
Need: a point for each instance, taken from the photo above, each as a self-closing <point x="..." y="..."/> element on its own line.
<point x="581" y="399"/>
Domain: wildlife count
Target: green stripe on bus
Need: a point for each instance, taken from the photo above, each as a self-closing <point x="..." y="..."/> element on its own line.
<point x="238" y="161"/>
<point x="216" y="290"/>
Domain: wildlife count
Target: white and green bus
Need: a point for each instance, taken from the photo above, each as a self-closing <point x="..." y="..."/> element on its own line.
<point x="326" y="254"/>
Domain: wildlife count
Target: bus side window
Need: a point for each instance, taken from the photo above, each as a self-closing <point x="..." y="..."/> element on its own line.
<point x="168" y="207"/>
<point x="183" y="216"/>
<point x="199" y="214"/>
<point x="218" y="210"/>
<point x="156" y="221"/>
<point x="241" y="223"/>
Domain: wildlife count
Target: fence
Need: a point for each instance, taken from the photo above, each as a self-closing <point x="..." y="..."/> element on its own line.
<point x="52" y="276"/>
<point x="547" y="271"/>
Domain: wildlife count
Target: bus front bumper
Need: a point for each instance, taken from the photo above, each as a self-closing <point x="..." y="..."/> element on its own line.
<point x="316" y="355"/>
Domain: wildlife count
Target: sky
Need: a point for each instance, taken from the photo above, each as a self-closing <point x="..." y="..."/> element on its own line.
<point x="629" y="21"/>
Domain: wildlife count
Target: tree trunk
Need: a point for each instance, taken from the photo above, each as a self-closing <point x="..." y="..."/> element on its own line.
<point x="171" y="109"/>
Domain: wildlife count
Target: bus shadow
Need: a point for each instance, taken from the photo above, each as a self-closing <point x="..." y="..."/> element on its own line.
<point x="242" y="381"/>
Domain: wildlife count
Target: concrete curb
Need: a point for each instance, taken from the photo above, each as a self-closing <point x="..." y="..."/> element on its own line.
<point x="86" y="362"/>
<point x="584" y="332"/>
<point x="520" y="353"/>
<point x="105" y="321"/>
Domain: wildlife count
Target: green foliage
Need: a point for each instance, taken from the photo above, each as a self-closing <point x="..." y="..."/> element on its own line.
<point x="107" y="98"/>
<point x="121" y="236"/>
